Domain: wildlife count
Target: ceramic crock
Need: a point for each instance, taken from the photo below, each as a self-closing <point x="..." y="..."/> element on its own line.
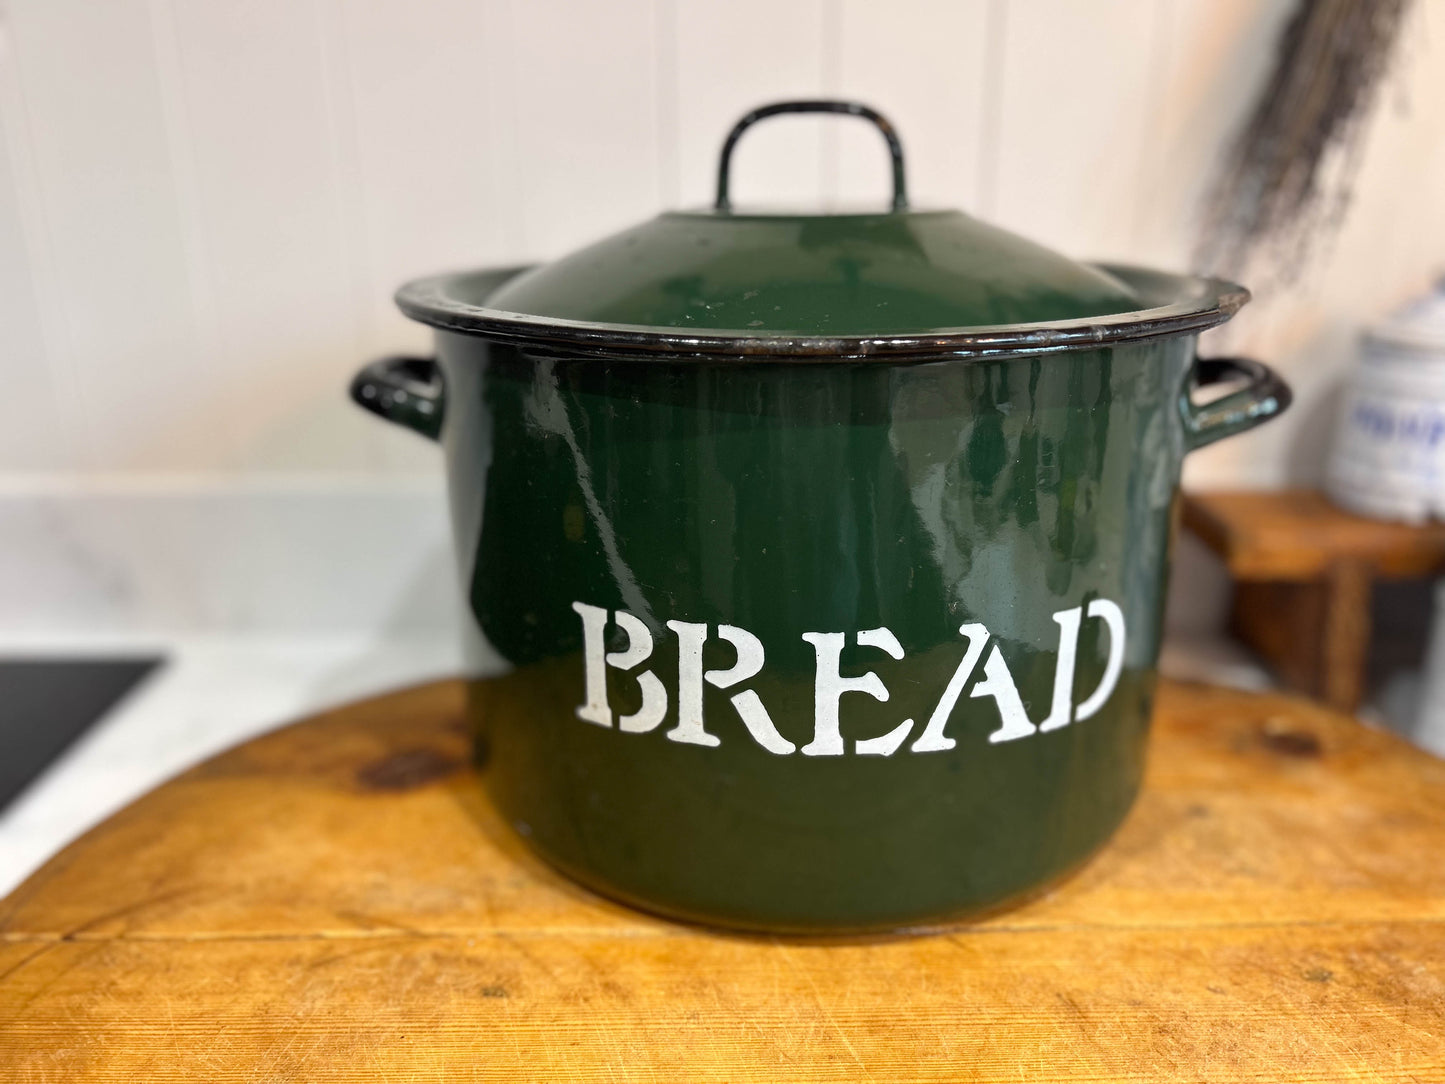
<point x="1388" y="456"/>
<point x="826" y="552"/>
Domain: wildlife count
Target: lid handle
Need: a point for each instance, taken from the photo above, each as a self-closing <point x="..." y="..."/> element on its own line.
<point x="854" y="109"/>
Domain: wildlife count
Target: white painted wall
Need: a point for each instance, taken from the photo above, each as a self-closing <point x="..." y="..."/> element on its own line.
<point x="205" y="204"/>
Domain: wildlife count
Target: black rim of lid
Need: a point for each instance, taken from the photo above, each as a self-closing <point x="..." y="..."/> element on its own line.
<point x="1198" y="304"/>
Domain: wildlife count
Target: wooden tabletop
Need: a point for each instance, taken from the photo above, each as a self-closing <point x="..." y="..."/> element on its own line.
<point x="338" y="902"/>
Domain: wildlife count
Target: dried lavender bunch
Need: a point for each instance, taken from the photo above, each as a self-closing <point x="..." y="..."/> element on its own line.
<point x="1271" y="191"/>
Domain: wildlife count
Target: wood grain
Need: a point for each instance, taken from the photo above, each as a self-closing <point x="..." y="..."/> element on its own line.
<point x="1315" y="634"/>
<point x="1298" y="535"/>
<point x="337" y="901"/>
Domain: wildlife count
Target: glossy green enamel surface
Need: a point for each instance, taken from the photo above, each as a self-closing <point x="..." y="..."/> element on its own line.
<point x="824" y="555"/>
<point x="850" y="274"/>
<point x="794" y="499"/>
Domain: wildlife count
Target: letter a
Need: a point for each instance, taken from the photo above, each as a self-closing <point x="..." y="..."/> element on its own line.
<point x="932" y="740"/>
<point x="999" y="683"/>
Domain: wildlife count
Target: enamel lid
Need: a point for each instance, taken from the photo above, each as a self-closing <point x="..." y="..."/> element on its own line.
<point x="753" y="282"/>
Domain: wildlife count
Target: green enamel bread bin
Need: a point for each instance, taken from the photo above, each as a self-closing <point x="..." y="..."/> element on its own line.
<point x="824" y="554"/>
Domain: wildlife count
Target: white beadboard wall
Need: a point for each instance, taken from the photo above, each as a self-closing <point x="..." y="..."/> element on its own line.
<point x="206" y="204"/>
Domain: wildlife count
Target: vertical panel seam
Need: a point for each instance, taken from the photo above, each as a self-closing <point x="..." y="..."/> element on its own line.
<point x="58" y="338"/>
<point x="665" y="92"/>
<point x="340" y="93"/>
<point x="501" y="121"/>
<point x="830" y="76"/>
<point x="991" y="93"/>
<point x="521" y="206"/>
<point x="171" y="84"/>
<point x="354" y="243"/>
<point x="1162" y="15"/>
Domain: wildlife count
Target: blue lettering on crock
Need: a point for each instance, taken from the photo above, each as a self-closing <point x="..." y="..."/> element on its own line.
<point x="829" y="685"/>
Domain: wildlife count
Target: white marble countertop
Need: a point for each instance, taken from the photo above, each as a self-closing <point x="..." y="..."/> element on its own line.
<point x="211" y="693"/>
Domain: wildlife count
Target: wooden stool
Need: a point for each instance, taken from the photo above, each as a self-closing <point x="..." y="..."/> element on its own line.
<point x="337" y="901"/>
<point x="1303" y="570"/>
